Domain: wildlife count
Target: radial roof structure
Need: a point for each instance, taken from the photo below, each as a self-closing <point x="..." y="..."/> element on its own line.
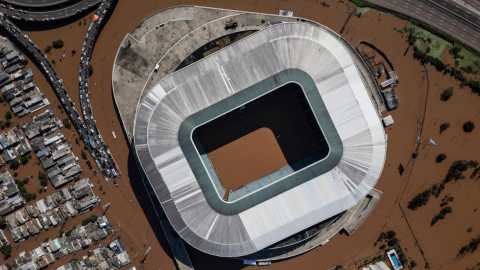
<point x="284" y="53"/>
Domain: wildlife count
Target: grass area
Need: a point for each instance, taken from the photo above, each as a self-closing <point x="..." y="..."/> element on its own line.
<point x="417" y="23"/>
<point x="224" y="42"/>
<point x="363" y="10"/>
<point x="244" y="35"/>
<point x="437" y="45"/>
<point x="469" y="59"/>
<point x="207" y="53"/>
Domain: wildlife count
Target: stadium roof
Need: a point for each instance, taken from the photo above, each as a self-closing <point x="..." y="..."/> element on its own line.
<point x="253" y="66"/>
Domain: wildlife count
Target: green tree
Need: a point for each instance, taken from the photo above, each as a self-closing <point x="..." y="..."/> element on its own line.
<point x="8" y="115"/>
<point x="90" y="70"/>
<point x="23" y="62"/>
<point x="446" y="95"/>
<point x="393" y="242"/>
<point x="66" y="123"/>
<point x="413" y="263"/>
<point x="48" y="49"/>
<point x="441" y="157"/>
<point x="84" y="155"/>
<point x="58" y="44"/>
<point x="43" y="179"/>
<point x="2" y="99"/>
<point x="391" y="234"/>
<point x="15" y="174"/>
<point x="14" y="164"/>
<point x="444" y="127"/>
<point x="468" y="126"/>
<point x="24" y="160"/>
<point x="6" y="250"/>
<point x="3" y="223"/>
<point x="25" y="180"/>
<point x="89" y="164"/>
<point x="415" y="154"/>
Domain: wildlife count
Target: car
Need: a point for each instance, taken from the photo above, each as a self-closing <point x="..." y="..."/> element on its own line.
<point x="77" y="11"/>
<point x="86" y="121"/>
<point x="30" y="19"/>
<point x="86" y="84"/>
<point x="83" y="9"/>
<point x="52" y="18"/>
<point x="104" y="11"/>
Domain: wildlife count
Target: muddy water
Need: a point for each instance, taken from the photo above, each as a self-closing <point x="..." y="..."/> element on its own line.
<point x="247" y="159"/>
<point x="140" y="223"/>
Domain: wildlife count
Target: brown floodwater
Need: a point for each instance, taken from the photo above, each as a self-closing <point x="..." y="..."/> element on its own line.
<point x="130" y="207"/>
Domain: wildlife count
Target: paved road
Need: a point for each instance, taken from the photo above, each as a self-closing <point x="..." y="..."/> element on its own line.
<point x="20" y="14"/>
<point x="100" y="153"/>
<point x="35" y="3"/>
<point x="102" y="156"/>
<point x="437" y="17"/>
<point x="469" y="12"/>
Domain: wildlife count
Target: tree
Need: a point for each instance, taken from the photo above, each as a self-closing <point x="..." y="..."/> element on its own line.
<point x="73" y="51"/>
<point x="2" y="99"/>
<point x="53" y="61"/>
<point x="415" y="154"/>
<point x="446" y="95"/>
<point x="391" y="234"/>
<point x="25" y="180"/>
<point x="8" y="115"/>
<point x="15" y="174"/>
<point x="413" y="263"/>
<point x="89" y="164"/>
<point x="3" y="223"/>
<point x="393" y="242"/>
<point x="6" y="250"/>
<point x="468" y="126"/>
<point x="469" y="230"/>
<point x="444" y="127"/>
<point x="420" y="200"/>
<point x="66" y="123"/>
<point x="90" y="70"/>
<point x="48" y="49"/>
<point x="84" y="155"/>
<point x="14" y="164"/>
<point x="23" y="62"/>
<point x="58" y="44"/>
<point x="473" y="163"/>
<point x="441" y="157"/>
<point x="383" y="246"/>
<point x="43" y="179"/>
<point x="24" y="160"/>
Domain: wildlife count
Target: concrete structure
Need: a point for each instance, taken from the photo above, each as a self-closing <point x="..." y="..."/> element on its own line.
<point x="334" y="83"/>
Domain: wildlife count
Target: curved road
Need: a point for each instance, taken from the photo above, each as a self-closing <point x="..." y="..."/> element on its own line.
<point x="100" y="152"/>
<point x="437" y="17"/>
<point x="35" y="3"/>
<point x="102" y="155"/>
<point x="58" y="14"/>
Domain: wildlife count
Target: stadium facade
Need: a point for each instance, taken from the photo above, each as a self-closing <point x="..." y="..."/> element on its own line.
<point x="283" y="53"/>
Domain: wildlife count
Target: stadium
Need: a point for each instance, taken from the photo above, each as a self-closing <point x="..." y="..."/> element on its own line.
<point x="271" y="138"/>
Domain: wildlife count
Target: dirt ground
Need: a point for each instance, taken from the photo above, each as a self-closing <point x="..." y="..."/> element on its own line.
<point x="416" y="92"/>
<point x="255" y="155"/>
